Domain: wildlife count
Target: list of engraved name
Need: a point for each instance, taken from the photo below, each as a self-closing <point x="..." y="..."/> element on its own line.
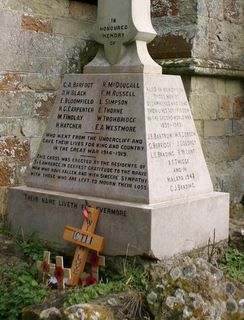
<point x="95" y="139"/>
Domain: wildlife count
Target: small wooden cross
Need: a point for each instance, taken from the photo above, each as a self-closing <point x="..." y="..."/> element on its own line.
<point x="45" y="266"/>
<point x="85" y="239"/>
<point x="95" y="270"/>
<point x="67" y="271"/>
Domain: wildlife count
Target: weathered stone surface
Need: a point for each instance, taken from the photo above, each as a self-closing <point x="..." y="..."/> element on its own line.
<point x="13" y="42"/>
<point x="13" y="127"/>
<point x="238" y="127"/>
<point x="35" y="23"/>
<point x="10" y="104"/>
<point x="237" y="232"/>
<point x="233" y="11"/>
<point x="13" y="162"/>
<point x="10" y="81"/>
<point x="54" y="8"/>
<point x="89" y="312"/>
<point x="5" y="173"/>
<point x="51" y="313"/>
<point x="3" y="201"/>
<point x="35" y="143"/>
<point x="236" y="211"/>
<point x="43" y="103"/>
<point x="32" y="61"/>
<point x="228" y="176"/>
<point x="172" y="46"/>
<point x="85" y="11"/>
<point x="215" y="29"/>
<point x="19" y="150"/>
<point x="201" y="85"/>
<point x="37" y="82"/>
<point x="199" y="127"/>
<point x="165" y="8"/>
<point x="33" y="127"/>
<point x="211" y="145"/>
<point x="236" y="147"/>
<point x="217" y="128"/>
<point x="223" y="136"/>
<point x="238" y="109"/>
<point x="44" y="44"/>
<point x="192" y="289"/>
<point x="13" y="62"/>
<point x="72" y="28"/>
<point x="225" y="107"/>
<point x="204" y="107"/>
<point x="9" y="19"/>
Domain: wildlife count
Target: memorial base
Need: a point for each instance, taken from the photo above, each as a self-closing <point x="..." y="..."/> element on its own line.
<point x="159" y="230"/>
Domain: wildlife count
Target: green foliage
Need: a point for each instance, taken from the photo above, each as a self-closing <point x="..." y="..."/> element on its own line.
<point x="32" y="247"/>
<point x="4" y="226"/>
<point x="108" y="275"/>
<point x="131" y="274"/>
<point x="18" y="289"/>
<point x="136" y="279"/>
<point x="233" y="264"/>
<point x="85" y="294"/>
<point x="132" y="278"/>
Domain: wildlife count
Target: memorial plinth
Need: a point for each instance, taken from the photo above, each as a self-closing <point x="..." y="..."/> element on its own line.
<point x="124" y="140"/>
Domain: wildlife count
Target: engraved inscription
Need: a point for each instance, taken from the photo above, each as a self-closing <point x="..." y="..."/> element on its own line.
<point x="168" y="111"/>
<point x="94" y="137"/>
<point x="109" y="134"/>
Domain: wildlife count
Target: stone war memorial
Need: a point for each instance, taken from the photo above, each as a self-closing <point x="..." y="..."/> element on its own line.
<point x="121" y="137"/>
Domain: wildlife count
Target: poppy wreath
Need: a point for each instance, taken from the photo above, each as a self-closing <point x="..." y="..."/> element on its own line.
<point x="94" y="260"/>
<point x="45" y="267"/>
<point x="90" y="280"/>
<point x="59" y="274"/>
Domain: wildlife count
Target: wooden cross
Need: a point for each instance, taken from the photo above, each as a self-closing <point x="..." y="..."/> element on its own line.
<point x="95" y="269"/>
<point x="45" y="266"/>
<point x="49" y="268"/>
<point x="67" y="271"/>
<point x="85" y="239"/>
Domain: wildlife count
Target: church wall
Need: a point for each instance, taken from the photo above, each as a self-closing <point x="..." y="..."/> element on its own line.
<point x="207" y="50"/>
<point x="39" y="42"/>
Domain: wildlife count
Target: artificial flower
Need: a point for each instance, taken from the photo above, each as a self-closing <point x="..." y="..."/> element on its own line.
<point x="90" y="280"/>
<point x="45" y="267"/>
<point x="86" y="213"/>
<point x="94" y="260"/>
<point x="59" y="274"/>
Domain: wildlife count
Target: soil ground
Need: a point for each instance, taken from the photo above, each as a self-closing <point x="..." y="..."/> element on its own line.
<point x="9" y="252"/>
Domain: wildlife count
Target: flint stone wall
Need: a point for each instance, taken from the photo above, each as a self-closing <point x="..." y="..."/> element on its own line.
<point x="40" y="41"/>
<point x="203" y="41"/>
<point x="200" y="39"/>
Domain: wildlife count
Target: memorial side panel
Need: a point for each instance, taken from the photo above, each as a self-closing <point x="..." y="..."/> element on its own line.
<point x="94" y="143"/>
<point x="177" y="167"/>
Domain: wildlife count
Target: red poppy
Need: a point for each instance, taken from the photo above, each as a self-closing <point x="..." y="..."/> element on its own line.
<point x="90" y="280"/>
<point x="45" y="267"/>
<point x="59" y="274"/>
<point x="86" y="213"/>
<point x="94" y="260"/>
